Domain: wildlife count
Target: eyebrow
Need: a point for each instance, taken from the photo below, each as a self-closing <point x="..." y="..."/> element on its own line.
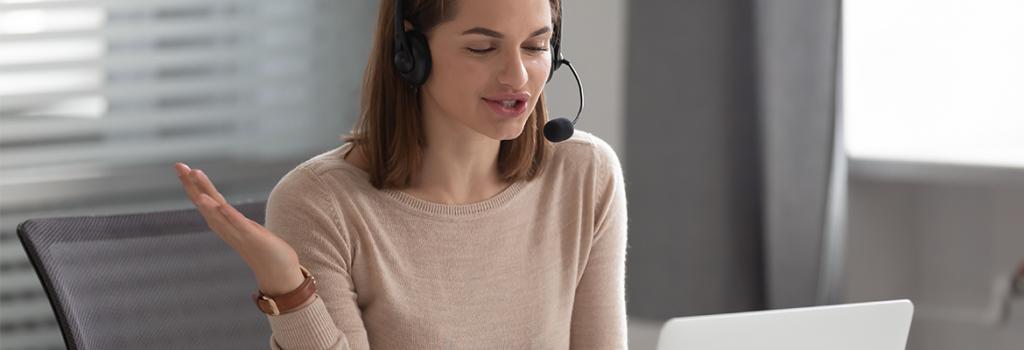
<point x="494" y="34"/>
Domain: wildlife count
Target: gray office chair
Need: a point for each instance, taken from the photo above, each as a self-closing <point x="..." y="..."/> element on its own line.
<point x="159" y="280"/>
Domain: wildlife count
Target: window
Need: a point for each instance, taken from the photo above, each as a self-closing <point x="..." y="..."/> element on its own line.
<point x="97" y="83"/>
<point x="935" y="81"/>
<point x="87" y="86"/>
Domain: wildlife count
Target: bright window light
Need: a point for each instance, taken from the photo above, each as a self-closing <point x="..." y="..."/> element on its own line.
<point x="57" y="50"/>
<point x="937" y="81"/>
<point x="39" y="21"/>
<point x="49" y="81"/>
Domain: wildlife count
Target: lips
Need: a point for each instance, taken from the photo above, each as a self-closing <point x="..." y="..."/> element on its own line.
<point x="507" y="108"/>
<point x="514" y="96"/>
<point x="508" y="105"/>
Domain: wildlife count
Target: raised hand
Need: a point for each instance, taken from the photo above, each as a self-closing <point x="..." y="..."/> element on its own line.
<point x="271" y="259"/>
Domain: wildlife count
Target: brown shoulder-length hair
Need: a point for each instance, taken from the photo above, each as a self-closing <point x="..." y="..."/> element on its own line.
<point x="390" y="130"/>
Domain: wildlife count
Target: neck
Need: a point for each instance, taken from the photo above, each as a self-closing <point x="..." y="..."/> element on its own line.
<point x="459" y="164"/>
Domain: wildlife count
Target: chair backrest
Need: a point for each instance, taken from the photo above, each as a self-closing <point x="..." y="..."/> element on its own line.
<point x="158" y="280"/>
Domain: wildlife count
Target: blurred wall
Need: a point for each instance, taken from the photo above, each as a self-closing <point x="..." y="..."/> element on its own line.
<point x="594" y="40"/>
<point x="693" y="170"/>
<point x="939" y="235"/>
<point x="803" y="158"/>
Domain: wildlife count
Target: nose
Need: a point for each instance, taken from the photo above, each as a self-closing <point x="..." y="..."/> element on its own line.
<point x="513" y="72"/>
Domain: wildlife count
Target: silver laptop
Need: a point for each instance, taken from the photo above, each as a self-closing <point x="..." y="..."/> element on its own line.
<point x="880" y="325"/>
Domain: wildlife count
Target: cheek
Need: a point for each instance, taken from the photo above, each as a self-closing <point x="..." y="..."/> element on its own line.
<point x="538" y="70"/>
<point x="453" y="77"/>
<point x="539" y="74"/>
<point x="539" y="67"/>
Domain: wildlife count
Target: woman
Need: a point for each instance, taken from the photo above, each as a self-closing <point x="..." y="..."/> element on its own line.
<point x="453" y="224"/>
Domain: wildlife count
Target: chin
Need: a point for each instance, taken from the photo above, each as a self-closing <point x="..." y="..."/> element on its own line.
<point x="508" y="129"/>
<point x="513" y="135"/>
<point x="505" y="133"/>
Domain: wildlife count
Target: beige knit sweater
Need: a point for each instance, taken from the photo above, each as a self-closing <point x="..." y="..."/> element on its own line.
<point x="539" y="266"/>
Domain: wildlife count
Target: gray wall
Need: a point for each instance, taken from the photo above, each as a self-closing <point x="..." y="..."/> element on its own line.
<point x="693" y="170"/>
<point x="797" y="58"/>
<point x="939" y="235"/>
<point x="594" y="40"/>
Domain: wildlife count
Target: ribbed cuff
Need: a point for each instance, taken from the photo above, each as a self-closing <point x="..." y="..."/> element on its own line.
<point x="310" y="327"/>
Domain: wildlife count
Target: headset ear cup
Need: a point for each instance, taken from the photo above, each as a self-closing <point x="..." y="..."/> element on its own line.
<point x="420" y="51"/>
<point x="556" y="60"/>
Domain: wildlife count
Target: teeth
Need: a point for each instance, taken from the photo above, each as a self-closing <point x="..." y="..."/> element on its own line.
<point x="509" y="104"/>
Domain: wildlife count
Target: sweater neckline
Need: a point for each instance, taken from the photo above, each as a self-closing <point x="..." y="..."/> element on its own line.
<point x="429" y="208"/>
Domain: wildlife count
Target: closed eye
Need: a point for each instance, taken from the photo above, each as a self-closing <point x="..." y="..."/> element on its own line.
<point x="483" y="51"/>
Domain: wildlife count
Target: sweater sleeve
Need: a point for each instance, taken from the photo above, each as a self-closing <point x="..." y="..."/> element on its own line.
<point x="599" y="311"/>
<point x="303" y="213"/>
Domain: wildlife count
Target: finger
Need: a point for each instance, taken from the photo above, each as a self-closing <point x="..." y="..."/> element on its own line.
<point x="187" y="182"/>
<point x="209" y="203"/>
<point x="190" y="188"/>
<point x="236" y="218"/>
<point x="181" y="168"/>
<point x="253" y="222"/>
<point x="206" y="186"/>
<point x="208" y="209"/>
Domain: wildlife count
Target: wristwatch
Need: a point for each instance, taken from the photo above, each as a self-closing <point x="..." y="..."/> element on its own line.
<point x="276" y="305"/>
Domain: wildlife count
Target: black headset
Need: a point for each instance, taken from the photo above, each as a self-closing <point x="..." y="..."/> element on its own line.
<point x="412" y="63"/>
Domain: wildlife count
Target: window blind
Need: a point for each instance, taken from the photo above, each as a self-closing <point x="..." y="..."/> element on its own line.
<point x="92" y="85"/>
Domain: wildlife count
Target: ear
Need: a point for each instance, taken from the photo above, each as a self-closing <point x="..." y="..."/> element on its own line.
<point x="408" y="25"/>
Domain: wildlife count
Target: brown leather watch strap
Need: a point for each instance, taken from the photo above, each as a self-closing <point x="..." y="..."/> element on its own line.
<point x="276" y="305"/>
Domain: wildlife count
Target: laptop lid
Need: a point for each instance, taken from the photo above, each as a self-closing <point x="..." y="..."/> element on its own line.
<point x="880" y="325"/>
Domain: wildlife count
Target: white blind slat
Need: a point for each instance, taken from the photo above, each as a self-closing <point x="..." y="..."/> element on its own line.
<point x="73" y="55"/>
<point x="143" y="151"/>
<point x="25" y="131"/>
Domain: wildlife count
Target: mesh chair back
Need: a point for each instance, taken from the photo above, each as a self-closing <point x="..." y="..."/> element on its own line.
<point x="160" y="280"/>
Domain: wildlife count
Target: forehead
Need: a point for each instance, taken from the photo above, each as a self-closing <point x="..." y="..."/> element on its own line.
<point x="509" y="17"/>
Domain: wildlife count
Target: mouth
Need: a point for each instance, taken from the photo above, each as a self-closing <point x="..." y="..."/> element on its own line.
<point x="507" y="107"/>
<point x="510" y="103"/>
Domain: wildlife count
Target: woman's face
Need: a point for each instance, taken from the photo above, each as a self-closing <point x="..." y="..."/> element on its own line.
<point x="490" y="64"/>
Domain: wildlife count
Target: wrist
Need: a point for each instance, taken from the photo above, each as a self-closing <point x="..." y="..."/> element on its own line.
<point x="311" y="299"/>
<point x="294" y="299"/>
<point x="281" y="283"/>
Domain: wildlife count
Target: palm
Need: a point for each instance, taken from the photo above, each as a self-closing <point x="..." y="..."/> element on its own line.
<point x="265" y="253"/>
